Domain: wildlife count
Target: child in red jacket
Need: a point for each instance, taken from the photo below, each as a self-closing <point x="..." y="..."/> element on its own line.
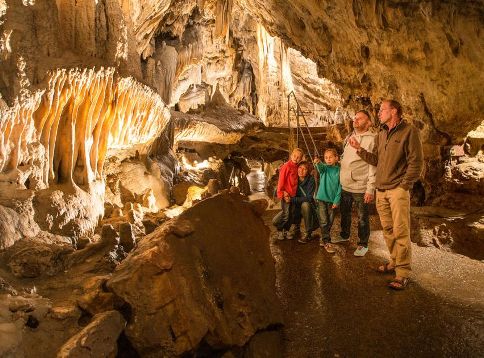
<point x="286" y="189"/>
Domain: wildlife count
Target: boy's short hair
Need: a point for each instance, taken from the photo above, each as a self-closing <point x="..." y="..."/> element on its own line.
<point x="332" y="150"/>
<point x="305" y="163"/>
<point x="297" y="150"/>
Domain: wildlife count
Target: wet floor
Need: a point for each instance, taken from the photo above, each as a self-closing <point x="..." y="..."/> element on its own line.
<point x="337" y="305"/>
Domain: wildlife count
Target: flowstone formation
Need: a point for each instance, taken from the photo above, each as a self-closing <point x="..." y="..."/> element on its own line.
<point x="54" y="145"/>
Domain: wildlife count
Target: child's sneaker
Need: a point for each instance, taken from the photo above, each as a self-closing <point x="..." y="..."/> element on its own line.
<point x="281" y="235"/>
<point x="329" y="248"/>
<point x="361" y="251"/>
<point x="305" y="239"/>
<point x="294" y="233"/>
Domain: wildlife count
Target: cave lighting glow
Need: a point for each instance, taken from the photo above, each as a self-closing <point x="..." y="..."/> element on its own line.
<point x="195" y="166"/>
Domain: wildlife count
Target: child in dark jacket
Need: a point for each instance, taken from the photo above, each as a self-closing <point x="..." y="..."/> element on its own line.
<point x="303" y="202"/>
<point x="328" y="195"/>
<point x="286" y="189"/>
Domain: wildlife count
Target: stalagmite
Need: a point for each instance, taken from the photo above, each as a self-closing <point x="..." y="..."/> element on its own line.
<point x="166" y="65"/>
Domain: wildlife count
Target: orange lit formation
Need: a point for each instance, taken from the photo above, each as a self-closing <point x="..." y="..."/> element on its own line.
<point x="76" y="119"/>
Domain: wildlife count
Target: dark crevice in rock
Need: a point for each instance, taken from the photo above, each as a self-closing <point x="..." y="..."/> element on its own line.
<point x="125" y="348"/>
<point x="446" y="139"/>
<point x="85" y="318"/>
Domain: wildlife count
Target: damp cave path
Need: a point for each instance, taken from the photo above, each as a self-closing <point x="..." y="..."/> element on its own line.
<point x="337" y="305"/>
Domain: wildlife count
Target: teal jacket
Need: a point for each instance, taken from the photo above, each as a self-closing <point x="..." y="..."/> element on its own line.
<point x="329" y="186"/>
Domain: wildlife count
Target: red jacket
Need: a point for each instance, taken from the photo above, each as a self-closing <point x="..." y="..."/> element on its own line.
<point x="287" y="179"/>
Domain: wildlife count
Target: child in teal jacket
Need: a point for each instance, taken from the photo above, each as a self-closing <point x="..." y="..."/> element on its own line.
<point x="328" y="195"/>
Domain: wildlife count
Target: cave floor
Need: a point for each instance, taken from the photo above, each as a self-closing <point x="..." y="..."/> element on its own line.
<point x="337" y="305"/>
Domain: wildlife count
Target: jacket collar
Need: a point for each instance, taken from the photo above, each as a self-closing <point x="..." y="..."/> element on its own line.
<point x="399" y="124"/>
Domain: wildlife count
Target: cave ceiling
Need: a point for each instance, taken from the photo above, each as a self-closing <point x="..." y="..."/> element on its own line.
<point x="336" y="55"/>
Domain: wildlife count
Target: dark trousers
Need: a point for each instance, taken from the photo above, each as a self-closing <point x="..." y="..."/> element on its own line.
<point x="283" y="220"/>
<point x="326" y="218"/>
<point x="346" y="205"/>
<point x="307" y="212"/>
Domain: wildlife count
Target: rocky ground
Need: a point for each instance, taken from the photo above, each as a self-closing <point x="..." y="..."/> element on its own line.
<point x="338" y="306"/>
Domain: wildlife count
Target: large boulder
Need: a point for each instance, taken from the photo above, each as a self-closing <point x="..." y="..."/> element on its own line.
<point x="205" y="279"/>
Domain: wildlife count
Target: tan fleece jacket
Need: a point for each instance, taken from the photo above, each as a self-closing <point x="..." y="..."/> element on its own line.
<point x="356" y="175"/>
<point x="398" y="156"/>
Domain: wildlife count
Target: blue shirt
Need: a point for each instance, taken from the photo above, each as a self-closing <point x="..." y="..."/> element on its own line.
<point x="305" y="191"/>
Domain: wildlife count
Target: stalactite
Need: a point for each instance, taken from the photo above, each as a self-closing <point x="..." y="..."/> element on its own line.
<point x="148" y="21"/>
<point x="223" y="17"/>
<point x="77" y="118"/>
<point x="286" y="73"/>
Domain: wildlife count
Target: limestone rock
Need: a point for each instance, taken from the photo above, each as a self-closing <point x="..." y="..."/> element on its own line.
<point x="213" y="186"/>
<point x="139" y="185"/>
<point x="259" y="206"/>
<point x="95" y="299"/>
<point x="180" y="191"/>
<point x="215" y="285"/>
<point x="31" y="258"/>
<point x="109" y="236"/>
<point x="82" y="242"/>
<point x="149" y="226"/>
<point x="97" y="339"/>
<point x="67" y="312"/>
<point x="234" y="190"/>
<point x="126" y="237"/>
<point x="6" y="288"/>
<point x="265" y="344"/>
<point x="181" y="227"/>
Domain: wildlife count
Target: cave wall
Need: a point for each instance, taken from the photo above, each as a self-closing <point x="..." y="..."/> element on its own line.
<point x="426" y="54"/>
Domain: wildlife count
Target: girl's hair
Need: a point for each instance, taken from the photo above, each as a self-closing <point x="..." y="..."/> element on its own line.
<point x="332" y="150"/>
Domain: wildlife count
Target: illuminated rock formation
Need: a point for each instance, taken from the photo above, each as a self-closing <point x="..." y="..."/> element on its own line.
<point x="59" y="138"/>
<point x="76" y="119"/>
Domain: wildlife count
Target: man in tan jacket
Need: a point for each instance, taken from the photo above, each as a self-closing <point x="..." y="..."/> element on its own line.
<point x="398" y="156"/>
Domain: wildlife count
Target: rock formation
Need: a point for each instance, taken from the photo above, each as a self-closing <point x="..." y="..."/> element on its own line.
<point x="55" y="142"/>
<point x="189" y="284"/>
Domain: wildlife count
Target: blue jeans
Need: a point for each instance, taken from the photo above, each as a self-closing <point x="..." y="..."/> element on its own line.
<point x="347" y="200"/>
<point x="307" y="211"/>
<point x="283" y="220"/>
<point x="326" y="218"/>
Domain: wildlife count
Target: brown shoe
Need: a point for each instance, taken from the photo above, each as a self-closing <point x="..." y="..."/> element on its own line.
<point x="399" y="284"/>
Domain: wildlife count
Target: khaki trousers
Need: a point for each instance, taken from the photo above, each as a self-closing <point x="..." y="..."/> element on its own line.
<point x="393" y="207"/>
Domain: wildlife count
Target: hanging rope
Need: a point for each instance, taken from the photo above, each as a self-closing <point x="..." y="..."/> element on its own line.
<point x="299" y="130"/>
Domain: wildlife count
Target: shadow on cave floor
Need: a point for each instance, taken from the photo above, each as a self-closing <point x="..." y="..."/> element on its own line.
<point x="336" y="305"/>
